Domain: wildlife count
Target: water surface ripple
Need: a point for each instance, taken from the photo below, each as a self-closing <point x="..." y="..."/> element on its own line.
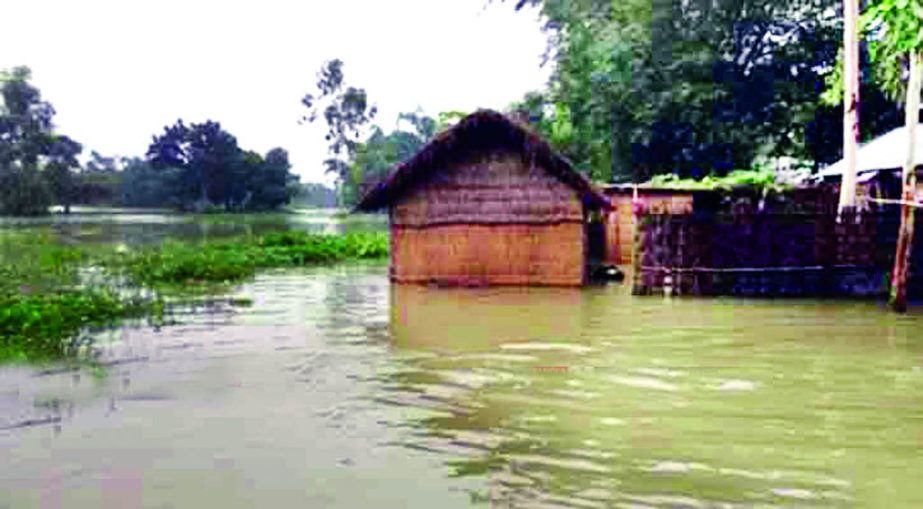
<point x="337" y="389"/>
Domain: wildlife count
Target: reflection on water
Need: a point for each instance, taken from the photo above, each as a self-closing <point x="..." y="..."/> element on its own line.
<point x="336" y="388"/>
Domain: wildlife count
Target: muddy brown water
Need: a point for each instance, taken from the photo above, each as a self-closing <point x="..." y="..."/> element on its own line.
<point x="337" y="389"/>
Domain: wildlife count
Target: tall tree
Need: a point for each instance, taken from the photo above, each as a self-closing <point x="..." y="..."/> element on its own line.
<point x="380" y="152"/>
<point x="60" y="162"/>
<point x="206" y="154"/>
<point x="35" y="163"/>
<point x="694" y="87"/>
<point x="272" y="183"/>
<point x="202" y="165"/>
<point x="346" y="111"/>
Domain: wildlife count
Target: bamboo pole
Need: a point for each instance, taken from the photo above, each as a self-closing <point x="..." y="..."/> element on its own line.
<point x="850" y="103"/>
<point x="911" y="203"/>
<point x="905" y="234"/>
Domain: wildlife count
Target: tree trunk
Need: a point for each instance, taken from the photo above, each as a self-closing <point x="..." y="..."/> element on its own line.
<point x="850" y="103"/>
<point x="908" y="196"/>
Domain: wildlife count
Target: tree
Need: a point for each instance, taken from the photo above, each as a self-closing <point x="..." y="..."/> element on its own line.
<point x="380" y="152"/>
<point x="447" y="119"/>
<point x="346" y="112"/>
<point x="897" y="44"/>
<point x="207" y="156"/>
<point x="35" y="163"/>
<point x="146" y="186"/>
<point x="315" y="195"/>
<point x="271" y="183"/>
<point x="102" y="164"/>
<point x="61" y="158"/>
<point x="201" y="165"/>
<point x="696" y="87"/>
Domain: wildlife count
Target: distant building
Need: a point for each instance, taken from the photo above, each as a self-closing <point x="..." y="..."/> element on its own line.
<point x="487" y="202"/>
<point x="879" y="163"/>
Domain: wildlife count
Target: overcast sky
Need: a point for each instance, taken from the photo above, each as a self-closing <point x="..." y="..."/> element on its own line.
<point x="118" y="71"/>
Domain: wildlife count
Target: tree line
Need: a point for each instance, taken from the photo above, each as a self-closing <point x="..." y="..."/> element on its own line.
<point x="643" y="87"/>
<point x="638" y="88"/>
<point x="194" y="167"/>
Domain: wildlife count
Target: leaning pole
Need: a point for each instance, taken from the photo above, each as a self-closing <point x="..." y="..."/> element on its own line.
<point x="898" y="296"/>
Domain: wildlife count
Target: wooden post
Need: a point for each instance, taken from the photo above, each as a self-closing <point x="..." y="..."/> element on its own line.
<point x="905" y="234"/>
<point x="635" y="241"/>
<point x="850" y="103"/>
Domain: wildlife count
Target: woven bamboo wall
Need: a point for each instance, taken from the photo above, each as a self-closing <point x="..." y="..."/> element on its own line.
<point x="496" y="189"/>
<point x="510" y="254"/>
<point x="494" y="220"/>
<point x="770" y="254"/>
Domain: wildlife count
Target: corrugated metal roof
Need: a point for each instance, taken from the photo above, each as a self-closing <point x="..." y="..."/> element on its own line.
<point x="885" y="152"/>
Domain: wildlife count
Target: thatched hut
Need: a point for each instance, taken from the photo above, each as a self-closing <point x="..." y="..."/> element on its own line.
<point x="487" y="202"/>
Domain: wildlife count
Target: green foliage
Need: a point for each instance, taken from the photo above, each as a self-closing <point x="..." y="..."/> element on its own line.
<point x="760" y="179"/>
<point x="447" y="119"/>
<point x="42" y="307"/>
<point x="200" y="167"/>
<point x="44" y="310"/>
<point x="374" y="158"/>
<point x="46" y="326"/>
<point x="142" y="185"/>
<point x="642" y="86"/>
<point x="314" y="195"/>
<point x="895" y="29"/>
<point x="36" y="263"/>
<point x="235" y="260"/>
<point x="35" y="163"/>
<point x="346" y="112"/>
<point x="892" y="29"/>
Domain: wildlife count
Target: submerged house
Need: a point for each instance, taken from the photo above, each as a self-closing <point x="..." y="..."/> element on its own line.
<point x="488" y="202"/>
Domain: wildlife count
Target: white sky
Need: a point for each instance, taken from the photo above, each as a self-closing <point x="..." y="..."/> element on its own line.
<point x="118" y="71"/>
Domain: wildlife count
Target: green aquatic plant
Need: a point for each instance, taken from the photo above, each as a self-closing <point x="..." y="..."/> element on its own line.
<point x="231" y="261"/>
<point x="46" y="305"/>
<point x="47" y="326"/>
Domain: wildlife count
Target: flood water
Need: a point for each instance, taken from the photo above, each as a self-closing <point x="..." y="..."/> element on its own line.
<point x="337" y="389"/>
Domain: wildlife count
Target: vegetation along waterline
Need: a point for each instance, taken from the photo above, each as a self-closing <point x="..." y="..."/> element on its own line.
<point x="46" y="306"/>
<point x="233" y="260"/>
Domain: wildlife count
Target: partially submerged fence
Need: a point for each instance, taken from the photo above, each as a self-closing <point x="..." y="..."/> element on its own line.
<point x="794" y="251"/>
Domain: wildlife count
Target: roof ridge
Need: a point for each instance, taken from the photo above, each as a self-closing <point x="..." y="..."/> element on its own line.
<point x="520" y="138"/>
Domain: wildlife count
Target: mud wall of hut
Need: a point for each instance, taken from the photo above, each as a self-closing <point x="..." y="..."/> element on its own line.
<point x="496" y="220"/>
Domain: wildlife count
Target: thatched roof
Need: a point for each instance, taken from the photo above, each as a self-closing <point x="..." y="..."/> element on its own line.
<point x="484" y="131"/>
